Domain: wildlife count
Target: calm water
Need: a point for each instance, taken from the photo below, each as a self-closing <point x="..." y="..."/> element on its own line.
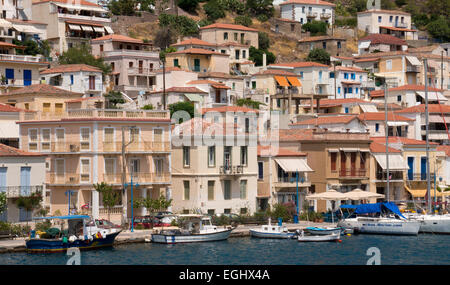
<point x="395" y="250"/>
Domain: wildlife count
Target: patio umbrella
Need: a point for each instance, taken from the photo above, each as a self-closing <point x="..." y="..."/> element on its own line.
<point x="358" y="194"/>
<point x="327" y="195"/>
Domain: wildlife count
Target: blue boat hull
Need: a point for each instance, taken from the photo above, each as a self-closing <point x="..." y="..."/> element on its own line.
<point x="48" y="245"/>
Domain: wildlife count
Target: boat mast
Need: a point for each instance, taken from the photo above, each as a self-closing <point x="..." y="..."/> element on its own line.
<point x="426" y="134"/>
<point x="387" y="137"/>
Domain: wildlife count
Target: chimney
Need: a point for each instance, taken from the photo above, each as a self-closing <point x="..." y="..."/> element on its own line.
<point x="264" y="60"/>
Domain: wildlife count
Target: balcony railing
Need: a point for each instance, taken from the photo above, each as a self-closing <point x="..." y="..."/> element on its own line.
<point x="21" y="191"/>
<point x="231" y="170"/>
<point x="65" y="178"/>
<point x="95" y="113"/>
<point x="352" y="172"/>
<point x="140" y="178"/>
<point x="401" y="25"/>
<point x="21" y="58"/>
<point x="291" y="181"/>
<point x="311" y="14"/>
<point x="141" y="71"/>
<point x="113" y="211"/>
<point x="84" y="18"/>
<point x="325" y="15"/>
<point x="412" y="69"/>
<point x="137" y="146"/>
<point x="419" y="176"/>
<point x="397" y="175"/>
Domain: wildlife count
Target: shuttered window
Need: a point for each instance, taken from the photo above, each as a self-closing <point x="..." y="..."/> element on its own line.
<point x="85" y="138"/>
<point x="243" y="189"/>
<point x="211" y="190"/>
<point x="33" y="139"/>
<point x="45" y="137"/>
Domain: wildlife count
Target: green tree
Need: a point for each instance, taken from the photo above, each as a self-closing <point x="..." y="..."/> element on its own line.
<point x="110" y="198"/>
<point x="263" y="41"/>
<point x="33" y="47"/>
<point x="162" y="53"/>
<point x="261" y="7"/>
<point x="148" y="107"/>
<point x="249" y="103"/>
<point x="440" y="29"/>
<point x="3" y="202"/>
<point x="182" y="106"/>
<point x="179" y="25"/>
<point x="123" y="7"/>
<point x="29" y="203"/>
<point x="243" y="20"/>
<point x="256" y="55"/>
<point x="188" y="5"/>
<point x="114" y="98"/>
<point x="316" y="28"/>
<point x="319" y="55"/>
<point x="214" y="9"/>
<point x="82" y="55"/>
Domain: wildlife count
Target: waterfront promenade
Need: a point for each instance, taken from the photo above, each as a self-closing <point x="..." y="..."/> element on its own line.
<point x="140" y="236"/>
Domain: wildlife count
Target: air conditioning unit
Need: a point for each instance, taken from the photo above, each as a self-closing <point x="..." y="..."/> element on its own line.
<point x="74" y="148"/>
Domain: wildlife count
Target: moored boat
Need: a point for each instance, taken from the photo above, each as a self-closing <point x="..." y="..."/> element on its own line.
<point x="272" y="231"/>
<point x="324" y="230"/>
<point x="436" y="224"/>
<point x="318" y="238"/>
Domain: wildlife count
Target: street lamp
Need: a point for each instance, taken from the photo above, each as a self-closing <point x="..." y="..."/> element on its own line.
<point x="131" y="184"/>
<point x="302" y="179"/>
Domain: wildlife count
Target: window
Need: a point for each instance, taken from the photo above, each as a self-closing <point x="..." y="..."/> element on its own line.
<point x="331" y="74"/>
<point x="46" y="108"/>
<point x="211" y="190"/>
<point x="324" y="45"/>
<point x="45" y="140"/>
<point x="346" y="110"/>
<point x="85" y="138"/>
<point x="350" y="90"/>
<point x="33" y="139"/>
<point x="225" y="36"/>
<point x="243" y="188"/>
<point x="71" y="79"/>
<point x="108" y="138"/>
<point x="399" y="98"/>
<point x="338" y="44"/>
<point x="130" y="64"/>
<point x="303" y="9"/>
<point x="333" y="156"/>
<point x="158" y="164"/>
<point x="233" y="86"/>
<point x="390" y="19"/>
<point x="244" y="155"/>
<point x="175" y="62"/>
<point x="59" y="108"/>
<point x="377" y="127"/>
<point x="227" y="211"/>
<point x="253" y="84"/>
<point x="301" y="74"/>
<point x="356" y="90"/>
<point x="244" y="54"/>
<point x="402" y="19"/>
<point x="235" y="36"/>
<point x="134" y="135"/>
<point x="360" y="78"/>
<point x="110" y="166"/>
<point x="211" y="155"/>
<point x="186" y="156"/>
<point x="227" y="190"/>
<point x="345" y="75"/>
<point x="388" y="64"/>
<point x="260" y="170"/>
<point x="362" y="160"/>
<point x="85" y="170"/>
<point x="236" y="54"/>
<point x="353" y="76"/>
<point x="211" y="212"/>
<point x="292" y="27"/>
<point x="187" y="190"/>
<point x="135" y="165"/>
<point x="379" y="19"/>
<point x="339" y="90"/>
<point x="243" y="211"/>
<point x="91" y="82"/>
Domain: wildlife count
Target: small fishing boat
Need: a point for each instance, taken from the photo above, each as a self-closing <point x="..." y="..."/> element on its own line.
<point x="272" y="231"/>
<point x="324" y="230"/>
<point x="77" y="235"/>
<point x="318" y="238"/>
<point x="199" y="229"/>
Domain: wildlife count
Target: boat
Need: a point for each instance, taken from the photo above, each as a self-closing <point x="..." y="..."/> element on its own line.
<point x="76" y="236"/>
<point x="199" y="229"/>
<point x="318" y="238"/>
<point x="324" y="230"/>
<point x="436" y="224"/>
<point x="389" y="220"/>
<point x="272" y="231"/>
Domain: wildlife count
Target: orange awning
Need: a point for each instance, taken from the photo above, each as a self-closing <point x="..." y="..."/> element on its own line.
<point x="282" y="81"/>
<point x="294" y="81"/>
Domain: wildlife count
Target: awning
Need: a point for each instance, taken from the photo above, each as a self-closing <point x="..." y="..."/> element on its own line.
<point x="194" y="97"/>
<point x="432" y="95"/>
<point x="349" y="149"/>
<point x="74" y="27"/>
<point x="368" y="108"/>
<point x="5" y="24"/>
<point x="396" y="161"/>
<point x="27" y="29"/>
<point x="282" y="81"/>
<point x="293" y="164"/>
<point x="99" y="29"/>
<point x="294" y="81"/>
<point x="413" y="60"/>
<point x="333" y="150"/>
<point x="109" y="30"/>
<point x="87" y="28"/>
<point x="396" y="124"/>
<point x="441" y="136"/>
<point x="364" y="150"/>
<point x="364" y="44"/>
<point x="437" y="119"/>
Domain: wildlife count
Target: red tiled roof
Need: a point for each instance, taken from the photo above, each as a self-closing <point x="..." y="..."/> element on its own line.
<point x="367" y="59"/>
<point x="380" y="116"/>
<point x="71" y="68"/>
<point x="41" y="89"/>
<point x="9" y="108"/>
<point x="348" y="68"/>
<point x="401" y="140"/>
<point x="119" y="38"/>
<point x="409" y="87"/>
<point x="383" y="39"/>
<point x="384" y="11"/>
<point x="181" y="90"/>
<point x="432" y="108"/>
<point x="199" y="125"/>
<point x="4" y="44"/>
<point x="225" y="109"/>
<point x="398" y="29"/>
<point x="300" y="64"/>
<point x="327" y="120"/>
<point x="338" y="102"/>
<point x="232" y="44"/>
<point x="276" y="72"/>
<point x="196" y="51"/>
<point x="271" y="150"/>
<point x="217" y="75"/>
<point x="444" y="148"/>
<point x="193" y="41"/>
<point x="12" y="151"/>
<point x="205" y="81"/>
<point x="229" y="27"/>
<point x="85" y="99"/>
<point x="376" y="147"/>
<point x="310" y="2"/>
<point x="320" y="38"/>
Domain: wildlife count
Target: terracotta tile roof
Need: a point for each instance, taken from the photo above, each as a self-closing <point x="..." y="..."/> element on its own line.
<point x="197" y="126"/>
<point x="384" y="11"/>
<point x="376" y="147"/>
<point x="271" y="150"/>
<point x="311" y="2"/>
<point x="383" y="39"/>
<point x="9" y="108"/>
<point x="327" y="120"/>
<point x="119" y="38"/>
<point x="226" y="109"/>
<point x="4" y="44"/>
<point x="348" y="68"/>
<point x="229" y="27"/>
<point x="12" y="151"/>
<point x="381" y="54"/>
<point x="398" y="29"/>
<point x="41" y="89"/>
<point x="409" y="87"/>
<point x="401" y="140"/>
<point x="338" y="102"/>
<point x="380" y="116"/>
<point x="217" y="75"/>
<point x="320" y="38"/>
<point x="444" y="148"/>
<point x="234" y="44"/>
<point x="343" y="57"/>
<point x="432" y="108"/>
<point x="367" y="59"/>
<point x="276" y="72"/>
<point x="86" y="99"/>
<point x="205" y="81"/>
<point x="300" y="64"/>
<point x="74" y="2"/>
<point x="423" y="49"/>
<point x="193" y="41"/>
<point x="71" y="68"/>
<point x="391" y="106"/>
<point x="295" y="134"/>
<point x="197" y="51"/>
<point x="180" y="90"/>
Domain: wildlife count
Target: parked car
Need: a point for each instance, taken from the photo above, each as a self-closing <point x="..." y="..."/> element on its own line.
<point x="147" y="222"/>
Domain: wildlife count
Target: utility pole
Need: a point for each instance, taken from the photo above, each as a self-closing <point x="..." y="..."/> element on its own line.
<point x="334" y="70"/>
<point x="426" y="134"/>
<point x="442" y="70"/>
<point x="124" y="171"/>
<point x="164" y="82"/>
<point x="387" y="138"/>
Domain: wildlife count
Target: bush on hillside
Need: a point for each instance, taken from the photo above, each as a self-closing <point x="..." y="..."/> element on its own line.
<point x="243" y="20"/>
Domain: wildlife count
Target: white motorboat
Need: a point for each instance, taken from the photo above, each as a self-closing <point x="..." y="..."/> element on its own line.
<point x="324" y="230"/>
<point x="437" y="224"/>
<point x="393" y="224"/>
<point x="272" y="231"/>
<point x="318" y="238"/>
<point x="200" y="229"/>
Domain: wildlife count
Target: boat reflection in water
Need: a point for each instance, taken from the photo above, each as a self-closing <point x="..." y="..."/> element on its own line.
<point x="379" y="218"/>
<point x="197" y="228"/>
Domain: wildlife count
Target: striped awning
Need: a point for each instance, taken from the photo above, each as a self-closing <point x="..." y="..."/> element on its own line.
<point x="99" y="29"/>
<point x="294" y="81"/>
<point x="109" y="30"/>
<point x="87" y="28"/>
<point x="432" y="95"/>
<point x="74" y="27"/>
<point x="293" y="165"/>
<point x="396" y="161"/>
<point x="282" y="81"/>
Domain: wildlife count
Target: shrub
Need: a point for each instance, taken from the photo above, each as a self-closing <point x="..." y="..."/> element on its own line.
<point x="262" y="18"/>
<point x="214" y="10"/>
<point x="43" y="226"/>
<point x="281" y="211"/>
<point x="256" y="55"/>
<point x="243" y="20"/>
<point x="188" y="5"/>
<point x="319" y="55"/>
<point x="316" y="28"/>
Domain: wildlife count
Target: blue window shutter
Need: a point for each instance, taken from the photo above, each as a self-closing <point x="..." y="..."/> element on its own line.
<point x="71" y="79"/>
<point x="377" y="127"/>
<point x="339" y="90"/>
<point x="9" y="73"/>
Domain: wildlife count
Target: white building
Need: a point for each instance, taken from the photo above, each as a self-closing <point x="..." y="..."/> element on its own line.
<point x="80" y="78"/>
<point x="350" y="82"/>
<point x="394" y="22"/>
<point x="305" y="11"/>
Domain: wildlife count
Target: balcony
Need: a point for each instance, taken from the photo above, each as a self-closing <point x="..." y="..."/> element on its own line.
<point x="140" y="71"/>
<point x="231" y="170"/>
<point x="95" y="113"/>
<point x="311" y="14"/>
<point x="65" y="178"/>
<point x="137" y="146"/>
<point x="140" y="178"/>
<point x="131" y="52"/>
<point x="419" y="176"/>
<point x="21" y="58"/>
<point x="325" y="15"/>
<point x="401" y="25"/>
<point x="412" y="68"/>
<point x="7" y="35"/>
<point x="393" y="176"/>
<point x="21" y="191"/>
<point x="84" y="18"/>
<point x="352" y="173"/>
<point x="291" y="181"/>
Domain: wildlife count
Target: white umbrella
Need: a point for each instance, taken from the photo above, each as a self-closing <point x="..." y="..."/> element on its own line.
<point x="358" y="194"/>
<point x="327" y="195"/>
